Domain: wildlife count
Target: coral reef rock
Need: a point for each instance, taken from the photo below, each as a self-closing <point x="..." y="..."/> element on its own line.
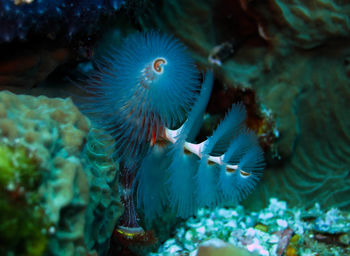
<point x="276" y="230"/>
<point x="295" y="56"/>
<point x="78" y="189"/>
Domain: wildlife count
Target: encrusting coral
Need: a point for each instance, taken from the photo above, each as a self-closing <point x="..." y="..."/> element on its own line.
<point x="104" y="206"/>
<point x="73" y="178"/>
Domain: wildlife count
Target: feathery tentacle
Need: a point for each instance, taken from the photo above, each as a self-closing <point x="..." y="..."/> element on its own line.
<point x="182" y="168"/>
<point x="235" y="180"/>
<point x="207" y="174"/>
<point x="151" y="193"/>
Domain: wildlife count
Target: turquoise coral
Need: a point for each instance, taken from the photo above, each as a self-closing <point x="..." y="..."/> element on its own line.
<point x="71" y="187"/>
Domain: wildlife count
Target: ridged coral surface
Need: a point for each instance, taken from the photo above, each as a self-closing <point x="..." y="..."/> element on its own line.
<point x="55" y="133"/>
<point x="316" y="111"/>
<point x="310" y="23"/>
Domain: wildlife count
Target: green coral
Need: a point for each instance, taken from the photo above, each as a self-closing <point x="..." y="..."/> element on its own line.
<point x="23" y="225"/>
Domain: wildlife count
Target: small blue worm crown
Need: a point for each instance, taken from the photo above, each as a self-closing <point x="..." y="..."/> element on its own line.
<point x="148" y="83"/>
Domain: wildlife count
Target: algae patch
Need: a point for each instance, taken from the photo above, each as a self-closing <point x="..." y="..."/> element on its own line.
<point x="23" y="223"/>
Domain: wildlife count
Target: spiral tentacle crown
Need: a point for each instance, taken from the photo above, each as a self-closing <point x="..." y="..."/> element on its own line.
<point x="147" y="84"/>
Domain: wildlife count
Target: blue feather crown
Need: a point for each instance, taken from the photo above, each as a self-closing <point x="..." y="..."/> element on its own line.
<point x="149" y="83"/>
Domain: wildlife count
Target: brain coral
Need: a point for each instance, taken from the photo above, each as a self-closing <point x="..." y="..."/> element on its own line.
<point x="314" y="113"/>
<point x="56" y="134"/>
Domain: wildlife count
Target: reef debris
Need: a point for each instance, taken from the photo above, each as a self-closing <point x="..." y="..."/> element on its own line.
<point x="273" y="231"/>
